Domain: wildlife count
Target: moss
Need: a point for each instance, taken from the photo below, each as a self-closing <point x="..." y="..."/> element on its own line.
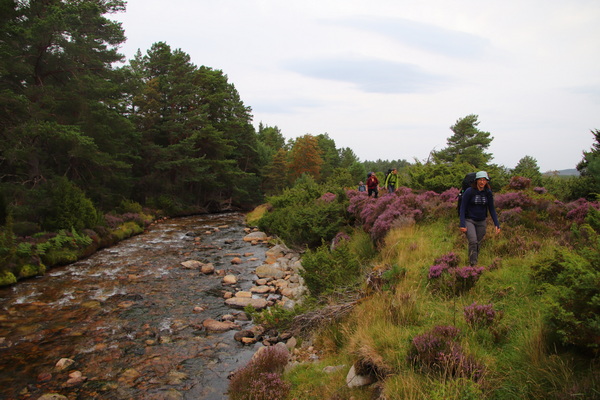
<point x="7" y="278"/>
<point x="127" y="230"/>
<point x="29" y="270"/>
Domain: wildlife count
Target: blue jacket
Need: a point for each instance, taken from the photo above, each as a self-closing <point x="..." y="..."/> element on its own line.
<point x="475" y="205"/>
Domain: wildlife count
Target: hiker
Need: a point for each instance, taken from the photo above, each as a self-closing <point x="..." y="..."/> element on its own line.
<point x="361" y="187"/>
<point x="373" y="184"/>
<point x="392" y="181"/>
<point x="476" y="202"/>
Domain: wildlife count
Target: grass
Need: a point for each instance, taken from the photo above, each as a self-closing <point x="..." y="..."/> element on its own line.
<point x="380" y="329"/>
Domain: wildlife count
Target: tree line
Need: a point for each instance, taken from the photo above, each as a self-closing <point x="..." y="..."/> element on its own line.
<point x="82" y="134"/>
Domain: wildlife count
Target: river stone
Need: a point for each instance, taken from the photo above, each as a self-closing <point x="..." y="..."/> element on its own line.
<point x="75" y="378"/>
<point x="241" y="302"/>
<point x="243" y="294"/>
<point x="236" y="260"/>
<point x="229" y="279"/>
<point x="207" y="269"/>
<point x="53" y="396"/>
<point x="260" y="289"/>
<point x="218" y="326"/>
<point x="129" y="376"/>
<point x="255" y="236"/>
<point x="274" y="253"/>
<point x="269" y="271"/>
<point x="191" y="264"/>
<point x="64" y="363"/>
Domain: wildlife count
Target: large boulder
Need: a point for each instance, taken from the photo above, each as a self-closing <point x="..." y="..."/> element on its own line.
<point x="254" y="236"/>
<point x="269" y="271"/>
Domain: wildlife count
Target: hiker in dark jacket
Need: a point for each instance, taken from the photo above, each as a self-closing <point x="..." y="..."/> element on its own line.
<point x="373" y="185"/>
<point x="477" y="201"/>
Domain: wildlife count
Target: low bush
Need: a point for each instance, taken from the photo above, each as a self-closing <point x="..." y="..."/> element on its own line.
<point x="571" y="283"/>
<point x="325" y="270"/>
<point x="438" y="351"/>
<point x="261" y="378"/>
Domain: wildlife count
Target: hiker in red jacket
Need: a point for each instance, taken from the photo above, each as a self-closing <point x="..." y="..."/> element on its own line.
<point x="373" y="184"/>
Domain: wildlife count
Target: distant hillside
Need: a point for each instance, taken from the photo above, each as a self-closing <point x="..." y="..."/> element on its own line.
<point x="563" y="172"/>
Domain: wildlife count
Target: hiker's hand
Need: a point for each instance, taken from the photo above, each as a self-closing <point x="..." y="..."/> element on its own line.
<point x="497" y="230"/>
<point x="463" y="230"/>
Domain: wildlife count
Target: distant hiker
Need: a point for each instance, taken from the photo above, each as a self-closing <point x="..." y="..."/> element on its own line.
<point x="391" y="181"/>
<point x="361" y="187"/>
<point x="373" y="185"/>
<point x="476" y="202"/>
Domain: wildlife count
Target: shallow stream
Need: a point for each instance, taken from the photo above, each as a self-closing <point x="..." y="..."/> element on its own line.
<point x="130" y="316"/>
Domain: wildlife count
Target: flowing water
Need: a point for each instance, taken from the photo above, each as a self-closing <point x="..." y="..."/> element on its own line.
<point x="130" y="316"/>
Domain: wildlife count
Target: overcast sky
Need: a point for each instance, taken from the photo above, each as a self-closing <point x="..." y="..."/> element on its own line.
<point x="388" y="78"/>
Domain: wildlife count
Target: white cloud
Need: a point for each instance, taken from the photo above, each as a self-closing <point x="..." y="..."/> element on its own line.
<point x="389" y="77"/>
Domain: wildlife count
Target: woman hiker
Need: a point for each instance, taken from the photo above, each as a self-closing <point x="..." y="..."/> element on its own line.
<point x="476" y="202"/>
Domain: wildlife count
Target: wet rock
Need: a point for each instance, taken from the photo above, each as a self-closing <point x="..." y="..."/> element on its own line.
<point x="198" y="309"/>
<point x="243" y="294"/>
<point x="64" y="363"/>
<point x="260" y="289"/>
<point x="269" y="271"/>
<point x="191" y="264"/>
<point x="176" y="377"/>
<point x="52" y="396"/>
<point x="44" y="377"/>
<point x="212" y="325"/>
<point x="207" y="269"/>
<point x="240" y="302"/>
<point x="227" y="295"/>
<point x="228" y="317"/>
<point x="75" y="378"/>
<point x="255" y="236"/>
<point x="229" y="279"/>
<point x="129" y="376"/>
<point x="236" y="260"/>
<point x="275" y="252"/>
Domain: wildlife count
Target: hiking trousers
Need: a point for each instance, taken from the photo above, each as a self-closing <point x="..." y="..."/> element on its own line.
<point x="475" y="234"/>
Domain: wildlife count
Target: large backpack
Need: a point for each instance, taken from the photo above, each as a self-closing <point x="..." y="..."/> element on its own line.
<point x="385" y="178"/>
<point x="466" y="183"/>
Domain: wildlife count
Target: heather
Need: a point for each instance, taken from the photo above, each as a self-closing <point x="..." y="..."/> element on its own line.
<point x="522" y="324"/>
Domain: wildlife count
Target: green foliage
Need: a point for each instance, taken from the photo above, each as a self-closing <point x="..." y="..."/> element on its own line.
<point x="528" y="168"/>
<point x="300" y="217"/>
<point x="391" y="277"/>
<point x="7" y="278"/>
<point x="466" y="145"/>
<point x="8" y="247"/>
<point x="571" y="283"/>
<point x="326" y="270"/>
<point x="438" y="177"/>
<point x="69" y="207"/>
<point x="275" y="317"/>
<point x="29" y="270"/>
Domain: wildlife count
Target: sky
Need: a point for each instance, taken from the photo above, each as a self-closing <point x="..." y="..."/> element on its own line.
<point x="388" y="78"/>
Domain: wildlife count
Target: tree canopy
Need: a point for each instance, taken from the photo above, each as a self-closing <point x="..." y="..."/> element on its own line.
<point x="468" y="144"/>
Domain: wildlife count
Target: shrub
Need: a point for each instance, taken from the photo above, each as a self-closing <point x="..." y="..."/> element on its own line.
<point x="438" y="351"/>
<point x="261" y="379"/>
<point x="480" y="315"/>
<point x="519" y="183"/>
<point x="571" y="283"/>
<point x="446" y="277"/>
<point x="69" y="208"/>
<point x="325" y="270"/>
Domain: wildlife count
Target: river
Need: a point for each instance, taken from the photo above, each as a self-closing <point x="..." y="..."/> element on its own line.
<point x="130" y="317"/>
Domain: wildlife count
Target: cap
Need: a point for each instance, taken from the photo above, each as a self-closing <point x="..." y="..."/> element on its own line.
<point x="482" y="174"/>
